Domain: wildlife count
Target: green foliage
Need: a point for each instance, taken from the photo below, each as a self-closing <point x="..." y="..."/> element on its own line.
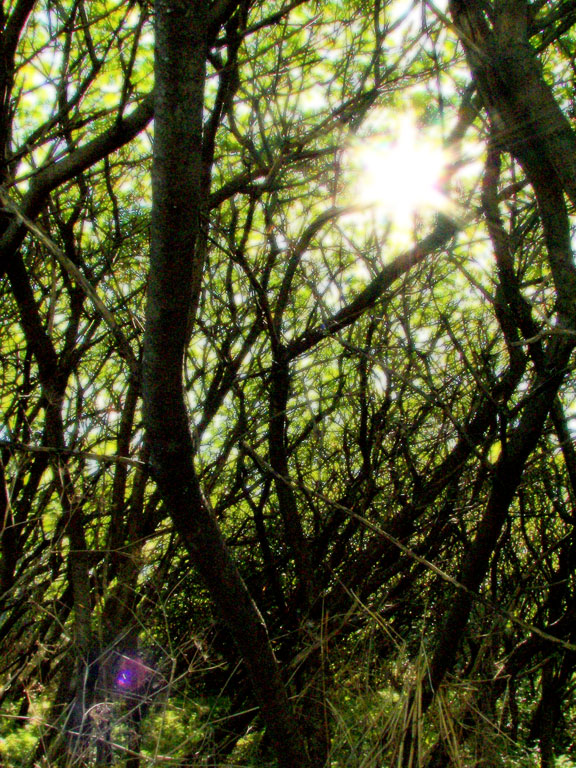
<point x="19" y="733"/>
<point x="380" y="401"/>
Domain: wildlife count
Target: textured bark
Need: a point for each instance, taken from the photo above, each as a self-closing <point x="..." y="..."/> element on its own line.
<point x="521" y="105"/>
<point x="180" y="192"/>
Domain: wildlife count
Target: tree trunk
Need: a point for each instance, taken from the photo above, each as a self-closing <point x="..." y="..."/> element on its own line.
<point x="180" y="189"/>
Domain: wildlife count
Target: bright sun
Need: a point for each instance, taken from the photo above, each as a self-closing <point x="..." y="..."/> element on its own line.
<point x="400" y="173"/>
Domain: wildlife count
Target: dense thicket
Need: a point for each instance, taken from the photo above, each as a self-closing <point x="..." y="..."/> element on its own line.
<point x="284" y="481"/>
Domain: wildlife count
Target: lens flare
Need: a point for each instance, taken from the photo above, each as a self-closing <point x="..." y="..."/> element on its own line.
<point x="132" y="673"/>
<point x="400" y="172"/>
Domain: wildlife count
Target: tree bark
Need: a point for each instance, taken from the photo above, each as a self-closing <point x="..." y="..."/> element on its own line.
<point x="180" y="195"/>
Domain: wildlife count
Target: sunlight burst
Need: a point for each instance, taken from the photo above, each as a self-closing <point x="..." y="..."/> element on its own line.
<point x="401" y="173"/>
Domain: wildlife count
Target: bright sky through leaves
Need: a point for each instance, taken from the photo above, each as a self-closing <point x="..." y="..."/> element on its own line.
<point x="287" y="447"/>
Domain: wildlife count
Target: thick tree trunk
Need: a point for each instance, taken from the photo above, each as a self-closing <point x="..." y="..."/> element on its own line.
<point x="183" y="31"/>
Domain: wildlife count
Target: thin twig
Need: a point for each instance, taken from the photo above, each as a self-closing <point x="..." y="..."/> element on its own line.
<point x="16" y="445"/>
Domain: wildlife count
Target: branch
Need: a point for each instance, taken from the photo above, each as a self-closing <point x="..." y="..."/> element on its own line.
<point x="124" y="348"/>
<point x="16" y="445"/>
<point x="48" y="179"/>
<point x="369" y="525"/>
<point x="445" y="229"/>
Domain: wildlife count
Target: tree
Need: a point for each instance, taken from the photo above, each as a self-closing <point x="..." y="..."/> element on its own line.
<point x="306" y="450"/>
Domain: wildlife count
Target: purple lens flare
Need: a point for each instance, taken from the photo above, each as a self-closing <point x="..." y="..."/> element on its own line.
<point x="132" y="673"/>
